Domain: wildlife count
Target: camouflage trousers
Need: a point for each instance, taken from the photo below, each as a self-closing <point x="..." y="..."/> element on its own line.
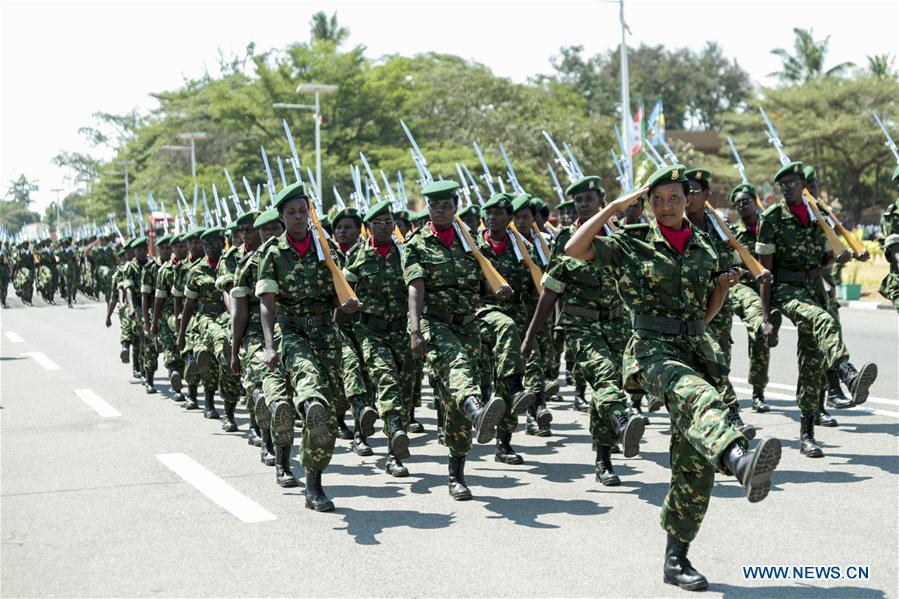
<point x="889" y="288"/>
<point x="309" y="369"/>
<point x="501" y="358"/>
<point x="193" y="378"/>
<point x="820" y="343"/>
<point x="69" y="282"/>
<point x="353" y="373"/>
<point x="149" y="357"/>
<point x="23" y="283"/>
<point x="700" y="434"/>
<point x="168" y="340"/>
<point x="103" y="281"/>
<point x="252" y="360"/>
<point x="453" y="355"/>
<point x="549" y="357"/>
<point x="4" y="285"/>
<point x="214" y="335"/>
<point x="46" y="281"/>
<point x="597" y="348"/>
<point x="748" y="307"/>
<point x="390" y="364"/>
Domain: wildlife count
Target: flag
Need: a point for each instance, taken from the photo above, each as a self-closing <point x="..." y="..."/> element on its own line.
<point x="638" y="132"/>
<point x="655" y="124"/>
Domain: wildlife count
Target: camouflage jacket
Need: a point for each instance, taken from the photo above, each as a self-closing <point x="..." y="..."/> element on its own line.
<point x="746" y="236"/>
<point x="179" y="275"/>
<point x="227" y="267"/>
<point x="452" y="276"/>
<point x="379" y="281"/>
<point x="889" y="230"/>
<point x="794" y="247"/>
<point x="246" y="276"/>
<point x="199" y="284"/>
<point x="514" y="271"/>
<point x="148" y="276"/>
<point x="131" y="277"/>
<point x="164" y="283"/>
<point x="302" y="285"/>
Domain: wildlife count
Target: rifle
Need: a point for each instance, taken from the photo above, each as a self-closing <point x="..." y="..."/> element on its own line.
<point x="857" y="248"/>
<point x="130" y="218"/>
<point x="836" y="247"/>
<point x="510" y="172"/>
<point x="493" y="278"/>
<point x="488" y="178"/>
<point x="523" y="255"/>
<point x="742" y="170"/>
<point x="140" y="215"/>
<point x="889" y="142"/>
<point x="474" y="185"/>
<point x="557" y="187"/>
<point x="234" y="197"/>
<point x="748" y="259"/>
<point x="223" y="203"/>
<point x="268" y="173"/>
<point x="560" y="159"/>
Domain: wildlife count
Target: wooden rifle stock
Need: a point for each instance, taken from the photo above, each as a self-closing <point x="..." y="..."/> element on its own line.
<point x="536" y="273"/>
<point x="754" y="266"/>
<point x="836" y="246"/>
<point x="341" y="286"/>
<point x="494" y="279"/>
<point x="854" y="244"/>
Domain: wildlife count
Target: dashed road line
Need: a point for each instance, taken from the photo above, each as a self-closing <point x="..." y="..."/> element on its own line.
<point x="216" y="489"/>
<point x="13" y="337"/>
<point x="99" y="405"/>
<point x="776" y="395"/>
<point x="883" y="400"/>
<point x="42" y="359"/>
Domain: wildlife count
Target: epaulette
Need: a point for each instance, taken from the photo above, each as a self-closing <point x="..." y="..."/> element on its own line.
<point x="770" y="210"/>
<point x="413" y="234"/>
<point x="637" y="228"/>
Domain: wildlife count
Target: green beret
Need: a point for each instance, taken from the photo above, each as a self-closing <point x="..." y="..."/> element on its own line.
<point x="419" y="215"/>
<point x="120" y="252"/>
<point x="539" y="205"/>
<point x="177" y="238"/>
<point x="566" y="205"/>
<point x="194" y="233"/>
<point x="269" y="216"/>
<point x="403" y="215"/>
<point x="500" y="200"/>
<point x="747" y="187"/>
<point x="895" y="176"/>
<point x="164" y="240"/>
<point x="794" y="168"/>
<point x="346" y="213"/>
<point x="139" y="242"/>
<point x="521" y="202"/>
<point x="247" y="218"/>
<point x="667" y="174"/>
<point x="213" y="233"/>
<point x="583" y="184"/>
<point x="472" y="209"/>
<point x="699" y="174"/>
<point x="291" y="192"/>
<point x="441" y="190"/>
<point x="382" y="207"/>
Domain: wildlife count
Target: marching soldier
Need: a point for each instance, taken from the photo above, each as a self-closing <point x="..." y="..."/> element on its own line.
<point x="149" y="342"/>
<point x="124" y="254"/>
<point x="793" y="249"/>
<point x="192" y="360"/>
<point x="131" y="288"/>
<point x="68" y="267"/>
<point x="889" y="230"/>
<point x="673" y="293"/>
<point x="5" y="271"/>
<point x="164" y="321"/>
<point x="23" y="272"/>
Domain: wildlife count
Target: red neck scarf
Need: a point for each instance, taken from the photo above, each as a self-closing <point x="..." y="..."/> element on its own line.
<point x="175" y="259"/>
<point x="343" y="247"/>
<point x="678" y="238"/>
<point x="214" y="265"/>
<point x="382" y="250"/>
<point x="497" y="246"/>
<point x="445" y="237"/>
<point x="754" y="227"/>
<point x="301" y="246"/>
<point x="800" y="212"/>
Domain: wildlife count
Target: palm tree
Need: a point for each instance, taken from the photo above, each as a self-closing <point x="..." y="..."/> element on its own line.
<point x="324" y="28"/>
<point x="881" y="65"/>
<point x="807" y="62"/>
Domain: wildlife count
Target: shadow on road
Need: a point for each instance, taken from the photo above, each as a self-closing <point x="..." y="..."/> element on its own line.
<point x="526" y="511"/>
<point x="799" y="591"/>
<point x="365" y="525"/>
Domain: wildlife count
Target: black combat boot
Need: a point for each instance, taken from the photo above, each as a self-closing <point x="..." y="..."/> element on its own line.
<point x="678" y="570"/>
<point x="835" y="397"/>
<point x="209" y="410"/>
<point x="281" y="423"/>
<point x="191" y="369"/>
<point x="176" y="382"/>
<point x="457" y="489"/>
<point x="550" y="388"/>
<point x="135" y="366"/>
<point x="414" y="425"/>
<point x="283" y="474"/>
<point x="395" y="467"/>
<point x="521" y="398"/>
<point x="753" y="468"/>
<point x="857" y="381"/>
<point x="484" y="416"/>
<point x="504" y="452"/>
<point x="758" y="400"/>
<point x="124" y="354"/>
<point x="629" y="431"/>
<point x="229" y="425"/>
<point x="541" y="413"/>
<point x="315" y="495"/>
<point x="360" y="444"/>
<point x="343" y="431"/>
<point x="254" y="436"/>
<point x="191" y="403"/>
<point x="604" y="472"/>
<point x="315" y="420"/>
<point x="397" y="439"/>
<point x="736" y="421"/>
<point x="148" y="382"/>
<point x="364" y="415"/>
<point x="532" y="426"/>
<point x="267" y="449"/>
<point x="580" y="401"/>
<point x="635" y="408"/>
<point x="822" y="418"/>
<point x="807" y="444"/>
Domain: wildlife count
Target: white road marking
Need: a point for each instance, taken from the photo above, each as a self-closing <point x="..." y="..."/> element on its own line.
<point x="98" y="404"/>
<point x="216" y="489"/>
<point x="13" y="337"/>
<point x="883" y="400"/>
<point x="860" y="305"/>
<point x="42" y="359"/>
<point x="793" y="398"/>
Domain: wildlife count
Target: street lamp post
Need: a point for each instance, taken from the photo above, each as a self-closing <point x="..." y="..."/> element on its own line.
<point x="57" y="190"/>
<point x="192" y="136"/>
<point x="317" y="89"/>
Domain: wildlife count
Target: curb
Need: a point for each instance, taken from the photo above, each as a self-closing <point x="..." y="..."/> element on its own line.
<point x="860" y="305"/>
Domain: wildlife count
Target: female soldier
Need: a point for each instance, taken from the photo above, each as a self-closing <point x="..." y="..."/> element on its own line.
<point x="669" y="283"/>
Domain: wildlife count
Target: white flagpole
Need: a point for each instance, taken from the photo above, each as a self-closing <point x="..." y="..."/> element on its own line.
<point x="625" y="95"/>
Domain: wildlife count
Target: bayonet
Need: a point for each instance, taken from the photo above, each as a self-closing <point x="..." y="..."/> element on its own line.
<point x="889" y="142"/>
<point x="488" y="178"/>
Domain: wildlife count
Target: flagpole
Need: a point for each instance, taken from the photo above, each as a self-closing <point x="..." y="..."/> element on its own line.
<point x="625" y="96"/>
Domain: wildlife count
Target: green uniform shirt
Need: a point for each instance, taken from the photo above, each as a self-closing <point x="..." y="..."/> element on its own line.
<point x="513" y="270"/>
<point x="199" y="284"/>
<point x="302" y="284"/>
<point x="452" y="276"/>
<point x="795" y="247"/>
<point x="227" y="267"/>
<point x="583" y="284"/>
<point x="379" y="281"/>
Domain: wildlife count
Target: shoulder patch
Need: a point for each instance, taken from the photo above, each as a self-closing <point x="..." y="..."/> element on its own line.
<point x="771" y="210"/>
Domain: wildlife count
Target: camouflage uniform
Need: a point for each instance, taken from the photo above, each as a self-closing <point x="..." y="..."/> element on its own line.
<point x="5" y="272"/>
<point x="686" y="369"/>
<point x="131" y="279"/>
<point x="381" y="329"/>
<point x="116" y="284"/>
<point x="45" y="278"/>
<point x="889" y="228"/>
<point x="68" y="267"/>
<point x="149" y="344"/>
<point x="354" y="373"/>
<point x="179" y="278"/>
<point x="748" y="306"/>
<point x="23" y="281"/>
<point x="798" y="292"/>
<point x="168" y="321"/>
<point x="452" y="279"/>
<point x="310" y="341"/>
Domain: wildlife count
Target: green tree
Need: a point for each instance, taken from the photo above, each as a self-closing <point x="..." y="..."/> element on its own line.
<point x="806" y="63"/>
<point x="881" y="65"/>
<point x="325" y="28"/>
<point x="20" y="189"/>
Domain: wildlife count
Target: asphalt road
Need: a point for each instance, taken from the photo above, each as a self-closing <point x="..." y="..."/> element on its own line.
<point x="96" y="499"/>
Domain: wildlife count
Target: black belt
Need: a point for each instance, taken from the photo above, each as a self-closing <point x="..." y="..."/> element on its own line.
<point x="210" y="309"/>
<point x="594" y="315"/>
<point x="782" y="275"/>
<point x="380" y="324"/>
<point x="669" y="326"/>
<point x="302" y="323"/>
<point x="449" y="317"/>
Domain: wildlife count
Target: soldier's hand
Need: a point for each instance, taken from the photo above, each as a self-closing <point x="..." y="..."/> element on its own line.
<point x="147" y="328"/>
<point x="351" y="305"/>
<point x="864" y="256"/>
<point x="765" y="277"/>
<point x="154" y="328"/>
<point x="181" y="343"/>
<point x="526" y="346"/>
<point x="418" y="344"/>
<point x="108" y="321"/>
<point x="271" y="359"/>
<point x="728" y="279"/>
<point x="622" y="204"/>
<point x="504" y="292"/>
<point x="235" y="364"/>
<point x="843" y="257"/>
